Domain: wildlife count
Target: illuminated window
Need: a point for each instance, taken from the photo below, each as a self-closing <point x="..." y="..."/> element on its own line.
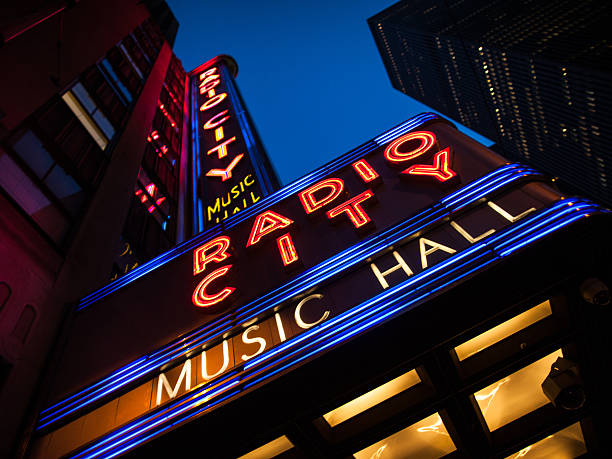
<point x="515" y="395"/>
<point x="565" y="444"/>
<point x="153" y="198"/>
<point x="372" y="398"/>
<point x="427" y="438"/>
<point x="272" y="449"/>
<point x="503" y="330"/>
<point x="88" y="113"/>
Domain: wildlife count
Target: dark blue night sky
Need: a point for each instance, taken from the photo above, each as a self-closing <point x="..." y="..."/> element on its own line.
<point x="309" y="72"/>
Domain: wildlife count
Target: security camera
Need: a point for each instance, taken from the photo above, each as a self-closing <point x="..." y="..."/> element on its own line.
<point x="563" y="385"/>
<point x="595" y="292"/>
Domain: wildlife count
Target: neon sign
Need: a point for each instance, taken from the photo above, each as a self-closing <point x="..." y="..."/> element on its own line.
<point x="330" y="197"/>
<point x="255" y="295"/>
<point x="225" y="157"/>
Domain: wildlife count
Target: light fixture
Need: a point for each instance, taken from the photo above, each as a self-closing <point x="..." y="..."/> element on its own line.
<point x="563" y="385"/>
<point x="595" y="291"/>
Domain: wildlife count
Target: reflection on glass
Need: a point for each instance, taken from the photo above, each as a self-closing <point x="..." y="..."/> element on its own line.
<point x="426" y="439"/>
<point x="565" y="444"/>
<point x="31" y="150"/>
<point x="515" y="395"/>
<point x="31" y="199"/>
<point x="85" y="119"/>
<point x="503" y="330"/>
<point x="272" y="449"/>
<point x="372" y="398"/>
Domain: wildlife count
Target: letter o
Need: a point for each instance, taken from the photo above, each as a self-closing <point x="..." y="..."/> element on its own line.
<point x="393" y="155"/>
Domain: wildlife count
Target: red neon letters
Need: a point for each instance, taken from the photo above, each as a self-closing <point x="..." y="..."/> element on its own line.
<point x="440" y="169"/>
<point x="353" y="209"/>
<point x="266" y="223"/>
<point x="202" y="299"/>
<point x="215" y="250"/>
<point x="395" y="156"/>
<point x="209" y="80"/>
<point x="209" y="83"/>
<point x="287" y="249"/>
<point x="210" y="71"/>
<point x="326" y="194"/>
<point x="365" y="171"/>
<point x="311" y="203"/>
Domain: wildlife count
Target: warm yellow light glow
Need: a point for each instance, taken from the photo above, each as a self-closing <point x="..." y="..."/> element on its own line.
<point x="219" y="134"/>
<point x="372" y="398"/>
<point x="515" y="395"/>
<point x="272" y="449"/>
<point x="565" y="444"/>
<point x="85" y="119"/>
<point x="427" y="438"/>
<point x="503" y="330"/>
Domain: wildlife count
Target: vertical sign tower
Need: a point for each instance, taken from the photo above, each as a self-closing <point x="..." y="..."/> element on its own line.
<point x="230" y="169"/>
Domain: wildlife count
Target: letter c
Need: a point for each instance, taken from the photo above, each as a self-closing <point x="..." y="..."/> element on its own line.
<point x="298" y="309"/>
<point x="202" y="299"/>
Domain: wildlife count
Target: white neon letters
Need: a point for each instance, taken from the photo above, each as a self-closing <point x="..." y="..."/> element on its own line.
<point x="298" y="312"/>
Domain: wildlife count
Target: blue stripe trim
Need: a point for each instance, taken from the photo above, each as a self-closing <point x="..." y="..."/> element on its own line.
<point x="150" y="363"/>
<point x="249" y="212"/>
<point x="359" y="319"/>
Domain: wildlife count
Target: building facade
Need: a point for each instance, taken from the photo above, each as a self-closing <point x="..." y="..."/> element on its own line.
<point x="418" y="296"/>
<point x="534" y="77"/>
<point x="95" y="171"/>
<point x="161" y="294"/>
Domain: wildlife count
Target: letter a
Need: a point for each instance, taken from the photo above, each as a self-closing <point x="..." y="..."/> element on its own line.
<point x="435" y="246"/>
<point x="265" y="223"/>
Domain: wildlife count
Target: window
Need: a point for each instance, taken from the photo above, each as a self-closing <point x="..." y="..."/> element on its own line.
<point x="57" y="181"/>
<point x="90" y="116"/>
<point x="372" y="398"/>
<point x="106" y="94"/>
<point x="125" y="70"/>
<point x="129" y="58"/>
<point x="426" y="438"/>
<point x="515" y="395"/>
<point x="28" y="195"/>
<point x="566" y="443"/>
<point x="145" y="43"/>
<point x="153" y="198"/>
<point x="69" y="142"/>
<point x="503" y="330"/>
<point x="135" y="55"/>
<point x="151" y="222"/>
<point x="108" y="68"/>
<point x="269" y="450"/>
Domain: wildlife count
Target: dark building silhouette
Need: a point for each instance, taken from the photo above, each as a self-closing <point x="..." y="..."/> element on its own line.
<point x="534" y="76"/>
